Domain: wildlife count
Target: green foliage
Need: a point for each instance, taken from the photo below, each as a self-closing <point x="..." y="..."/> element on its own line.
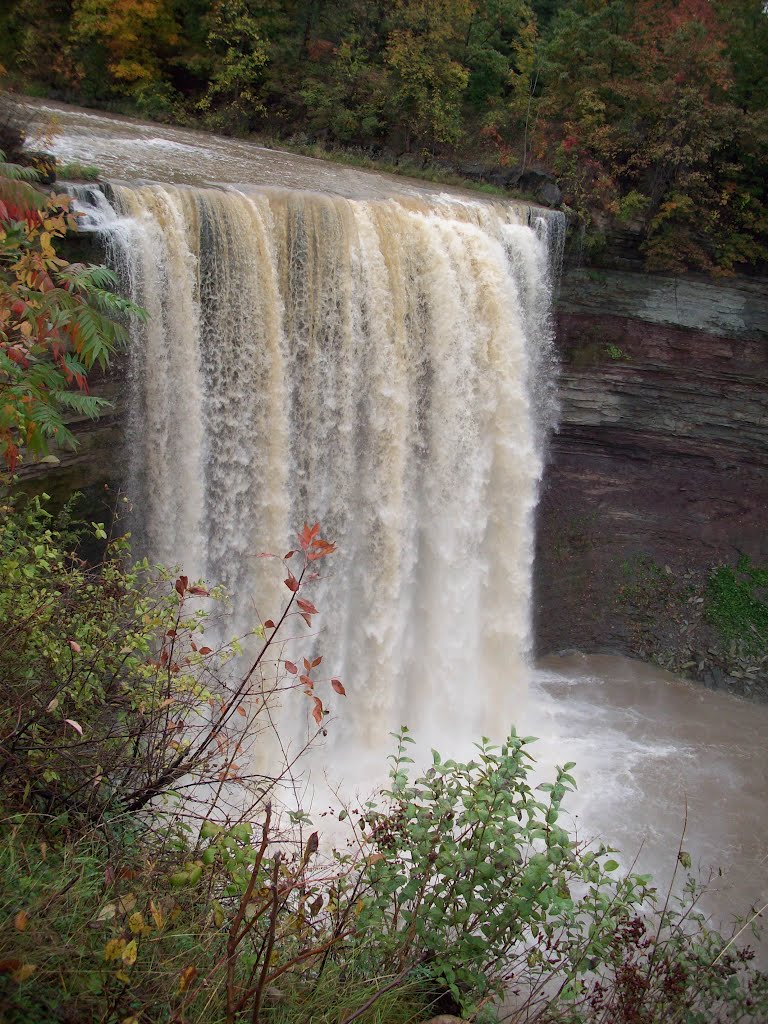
<point x="147" y="875"/>
<point x="57" y="320"/>
<point x="737" y="603"/>
<point x="238" y="57"/>
<point x="638" y="117"/>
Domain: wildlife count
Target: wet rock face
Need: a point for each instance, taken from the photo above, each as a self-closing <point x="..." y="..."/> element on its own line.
<point x="661" y="461"/>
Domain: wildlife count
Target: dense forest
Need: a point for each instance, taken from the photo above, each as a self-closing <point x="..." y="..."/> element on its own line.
<point x="651" y="114"/>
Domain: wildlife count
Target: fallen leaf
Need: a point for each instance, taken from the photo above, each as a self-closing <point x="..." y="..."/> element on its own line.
<point x="75" y="725"/>
<point x="128" y="902"/>
<point x="186" y="977"/>
<point x="107" y="912"/>
<point x="21" y="921"/>
<point x="23" y="973"/>
<point x="136" y="923"/>
<point x="157" y="915"/>
<point x="74" y="646"/>
<point x="114" y="949"/>
<point x="130" y="953"/>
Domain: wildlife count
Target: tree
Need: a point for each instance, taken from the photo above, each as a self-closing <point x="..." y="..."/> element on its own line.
<point x="640" y="124"/>
<point x="57" y="320"/>
<point x="427" y="79"/>
<point x="239" y="57"/>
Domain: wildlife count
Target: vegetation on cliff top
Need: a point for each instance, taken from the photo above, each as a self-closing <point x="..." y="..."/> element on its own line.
<point x="652" y="114"/>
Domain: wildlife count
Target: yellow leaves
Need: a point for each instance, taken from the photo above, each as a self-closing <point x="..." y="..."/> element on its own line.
<point x="138" y="926"/>
<point x="186" y="977"/>
<point x="23" y="973"/>
<point x="218" y="914"/>
<point x="157" y="915"/>
<point x="130" y="953"/>
<point x="114" y="949"/>
<point x="20" y="921"/>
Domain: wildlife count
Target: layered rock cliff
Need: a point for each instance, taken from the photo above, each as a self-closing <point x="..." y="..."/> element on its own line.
<point x="659" y="471"/>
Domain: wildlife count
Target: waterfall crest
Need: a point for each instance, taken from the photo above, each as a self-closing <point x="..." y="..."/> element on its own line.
<point x="381" y="366"/>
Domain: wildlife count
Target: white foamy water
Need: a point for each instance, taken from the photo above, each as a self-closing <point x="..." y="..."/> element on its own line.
<point x="380" y="366"/>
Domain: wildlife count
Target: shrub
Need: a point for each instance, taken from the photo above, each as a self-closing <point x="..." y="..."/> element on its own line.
<point x="150" y="876"/>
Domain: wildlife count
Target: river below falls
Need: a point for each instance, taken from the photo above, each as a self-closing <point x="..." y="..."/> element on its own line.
<point x="650" y="750"/>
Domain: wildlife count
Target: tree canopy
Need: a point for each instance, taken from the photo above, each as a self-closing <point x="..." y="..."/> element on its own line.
<point x="652" y="113"/>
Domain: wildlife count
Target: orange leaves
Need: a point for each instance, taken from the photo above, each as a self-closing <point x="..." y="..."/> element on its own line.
<point x="312" y="544"/>
<point x="318" y="711"/>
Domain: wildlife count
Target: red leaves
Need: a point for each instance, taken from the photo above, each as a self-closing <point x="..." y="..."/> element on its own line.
<point x="198" y="591"/>
<point x="292" y="583"/>
<point x="321" y="548"/>
<point x="269" y="624"/>
<point x="306" y="606"/>
<point x="312" y="544"/>
<point x="317" y="710"/>
<point x="338" y="687"/>
<point x="290" y="667"/>
<point x="307" y="535"/>
<point x="181" y="585"/>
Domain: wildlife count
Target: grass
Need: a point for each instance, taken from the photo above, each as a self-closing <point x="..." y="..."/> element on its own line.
<point x="77" y="172"/>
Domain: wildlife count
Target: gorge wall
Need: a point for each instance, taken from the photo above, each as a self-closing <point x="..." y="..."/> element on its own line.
<point x="659" y="471"/>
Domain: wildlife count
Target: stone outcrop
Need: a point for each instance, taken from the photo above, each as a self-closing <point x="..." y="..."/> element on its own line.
<point x="661" y="461"/>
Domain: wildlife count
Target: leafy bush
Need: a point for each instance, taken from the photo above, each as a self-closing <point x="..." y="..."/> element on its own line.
<point x="150" y="875"/>
<point x="57" y="319"/>
<point x="737" y="603"/>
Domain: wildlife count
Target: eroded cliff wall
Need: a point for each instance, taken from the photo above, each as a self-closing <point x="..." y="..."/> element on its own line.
<point x="659" y="471"/>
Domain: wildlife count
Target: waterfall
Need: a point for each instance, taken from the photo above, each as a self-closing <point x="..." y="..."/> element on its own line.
<point x="381" y="366"/>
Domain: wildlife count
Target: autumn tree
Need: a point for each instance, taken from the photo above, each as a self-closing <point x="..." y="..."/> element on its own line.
<point x="640" y="125"/>
<point x="58" y="320"/>
<point x="124" y="45"/>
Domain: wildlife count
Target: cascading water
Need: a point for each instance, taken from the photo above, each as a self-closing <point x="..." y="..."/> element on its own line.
<point x="381" y="366"/>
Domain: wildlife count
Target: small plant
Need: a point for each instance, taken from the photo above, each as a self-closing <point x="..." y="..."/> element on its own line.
<point x="77" y="172"/>
<point x="737" y="603"/>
